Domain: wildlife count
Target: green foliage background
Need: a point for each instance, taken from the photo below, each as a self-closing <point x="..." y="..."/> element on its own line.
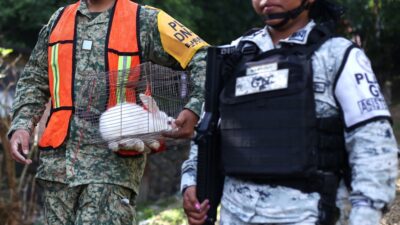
<point x="219" y="22"/>
<point x="377" y="21"/>
<point x="21" y="20"/>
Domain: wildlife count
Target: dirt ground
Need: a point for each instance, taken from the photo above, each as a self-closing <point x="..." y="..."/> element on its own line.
<point x="393" y="216"/>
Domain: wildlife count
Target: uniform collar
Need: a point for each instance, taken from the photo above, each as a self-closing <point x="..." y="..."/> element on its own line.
<point x="263" y="39"/>
<point x="84" y="10"/>
<point x="300" y="36"/>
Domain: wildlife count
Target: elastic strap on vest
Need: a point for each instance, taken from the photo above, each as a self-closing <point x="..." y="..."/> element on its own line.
<point x="328" y="212"/>
<point x="331" y="144"/>
<point x="332" y="157"/>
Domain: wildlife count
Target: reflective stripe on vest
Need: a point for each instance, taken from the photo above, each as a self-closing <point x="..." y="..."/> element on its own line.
<point x="122" y="54"/>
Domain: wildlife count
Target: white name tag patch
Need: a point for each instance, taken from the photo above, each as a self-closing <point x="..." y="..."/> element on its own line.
<point x="262" y="81"/>
<point x="261" y="69"/>
<point x="87" y="45"/>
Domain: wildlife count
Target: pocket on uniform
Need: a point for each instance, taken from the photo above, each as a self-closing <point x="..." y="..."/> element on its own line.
<point x="124" y="205"/>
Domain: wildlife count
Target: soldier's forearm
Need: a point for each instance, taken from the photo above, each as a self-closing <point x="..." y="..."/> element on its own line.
<point x="373" y="161"/>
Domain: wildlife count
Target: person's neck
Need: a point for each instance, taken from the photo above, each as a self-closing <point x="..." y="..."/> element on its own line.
<point x="99" y="5"/>
<point x="289" y="29"/>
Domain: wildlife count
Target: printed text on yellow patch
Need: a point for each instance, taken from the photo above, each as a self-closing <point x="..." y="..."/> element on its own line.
<point x="178" y="40"/>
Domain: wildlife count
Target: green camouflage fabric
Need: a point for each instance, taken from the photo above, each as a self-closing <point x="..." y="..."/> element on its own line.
<point x="100" y="204"/>
<point x="75" y="162"/>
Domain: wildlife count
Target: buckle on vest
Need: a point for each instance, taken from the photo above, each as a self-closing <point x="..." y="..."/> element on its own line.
<point x="249" y="49"/>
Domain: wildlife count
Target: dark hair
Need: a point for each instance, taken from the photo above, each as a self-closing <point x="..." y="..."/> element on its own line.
<point x="327" y="12"/>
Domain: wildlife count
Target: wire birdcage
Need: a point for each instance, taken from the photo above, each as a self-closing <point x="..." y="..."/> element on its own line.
<point x="121" y="108"/>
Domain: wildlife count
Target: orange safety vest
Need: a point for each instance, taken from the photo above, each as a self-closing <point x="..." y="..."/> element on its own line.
<point x="122" y="54"/>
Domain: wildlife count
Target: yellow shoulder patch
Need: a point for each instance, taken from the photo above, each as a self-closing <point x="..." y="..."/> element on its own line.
<point x="177" y="40"/>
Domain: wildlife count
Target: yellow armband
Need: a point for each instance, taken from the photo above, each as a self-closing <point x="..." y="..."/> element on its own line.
<point x="177" y="40"/>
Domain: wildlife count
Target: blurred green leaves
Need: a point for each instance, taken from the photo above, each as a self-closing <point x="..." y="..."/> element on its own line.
<point x="5" y="51"/>
<point x="21" y="20"/>
<point x="220" y="22"/>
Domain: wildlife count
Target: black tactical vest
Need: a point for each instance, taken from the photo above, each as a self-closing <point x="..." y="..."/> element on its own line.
<point x="273" y="135"/>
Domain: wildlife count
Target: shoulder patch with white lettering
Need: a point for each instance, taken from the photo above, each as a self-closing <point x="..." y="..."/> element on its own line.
<point x="358" y="91"/>
<point x="298" y="36"/>
<point x="177" y="40"/>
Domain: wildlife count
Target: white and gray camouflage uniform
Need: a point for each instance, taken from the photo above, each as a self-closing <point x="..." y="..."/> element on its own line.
<point x="371" y="146"/>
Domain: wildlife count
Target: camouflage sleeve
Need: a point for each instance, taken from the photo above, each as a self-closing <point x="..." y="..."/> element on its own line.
<point x="373" y="160"/>
<point x="154" y="50"/>
<point x="197" y="68"/>
<point x="189" y="169"/>
<point x="150" y="41"/>
<point x="365" y="216"/>
<point x="32" y="91"/>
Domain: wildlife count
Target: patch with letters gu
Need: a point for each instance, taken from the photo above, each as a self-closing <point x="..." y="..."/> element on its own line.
<point x="358" y="92"/>
<point x="300" y="36"/>
<point x="261" y="78"/>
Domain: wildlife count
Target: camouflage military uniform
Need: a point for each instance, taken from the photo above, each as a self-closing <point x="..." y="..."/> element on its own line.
<point x="75" y="163"/>
<point x="98" y="204"/>
<point x="371" y="147"/>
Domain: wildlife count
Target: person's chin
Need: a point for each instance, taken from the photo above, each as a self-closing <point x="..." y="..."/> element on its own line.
<point x="273" y="22"/>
